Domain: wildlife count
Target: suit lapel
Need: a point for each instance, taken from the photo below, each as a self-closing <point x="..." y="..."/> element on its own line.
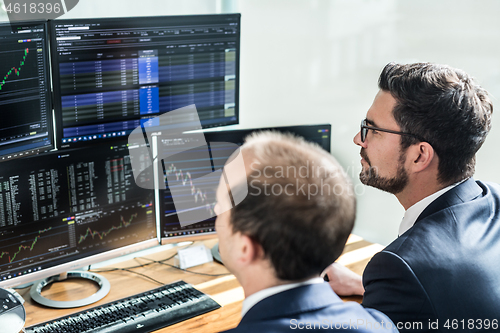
<point x="289" y="302"/>
<point x="464" y="192"/>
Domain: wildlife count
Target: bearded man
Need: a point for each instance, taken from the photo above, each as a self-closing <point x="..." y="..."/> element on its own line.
<point x="418" y="141"/>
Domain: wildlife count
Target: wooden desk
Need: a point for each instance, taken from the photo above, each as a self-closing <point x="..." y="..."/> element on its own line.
<point x="224" y="289"/>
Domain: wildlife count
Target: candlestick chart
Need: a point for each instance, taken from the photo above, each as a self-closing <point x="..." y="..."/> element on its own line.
<point x="96" y="234"/>
<point x="32" y="245"/>
<point x="18" y="67"/>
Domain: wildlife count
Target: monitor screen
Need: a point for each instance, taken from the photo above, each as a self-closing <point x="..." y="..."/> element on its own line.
<point x="112" y="75"/>
<point x="26" y="126"/>
<point x="67" y="209"/>
<point x="203" y="193"/>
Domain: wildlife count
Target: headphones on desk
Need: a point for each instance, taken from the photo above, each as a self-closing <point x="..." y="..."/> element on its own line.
<point x="12" y="313"/>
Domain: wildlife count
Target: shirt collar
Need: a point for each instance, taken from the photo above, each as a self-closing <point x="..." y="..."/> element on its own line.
<point x="253" y="299"/>
<point x="414" y="211"/>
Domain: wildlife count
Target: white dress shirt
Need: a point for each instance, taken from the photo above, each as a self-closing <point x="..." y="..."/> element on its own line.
<point x="253" y="299"/>
<point x="414" y="211"/>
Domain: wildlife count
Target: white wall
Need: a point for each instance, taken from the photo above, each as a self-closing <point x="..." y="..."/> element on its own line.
<point x="318" y="61"/>
<point x="306" y="62"/>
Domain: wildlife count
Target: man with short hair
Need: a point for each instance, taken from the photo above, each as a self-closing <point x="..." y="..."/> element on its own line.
<point x="294" y="222"/>
<point x="419" y="141"/>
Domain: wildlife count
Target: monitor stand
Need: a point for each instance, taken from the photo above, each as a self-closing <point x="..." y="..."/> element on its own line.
<point x="36" y="289"/>
<point x="216" y="253"/>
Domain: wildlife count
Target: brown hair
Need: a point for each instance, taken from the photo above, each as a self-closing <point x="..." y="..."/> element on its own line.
<point x="301" y="232"/>
<point x="444" y="106"/>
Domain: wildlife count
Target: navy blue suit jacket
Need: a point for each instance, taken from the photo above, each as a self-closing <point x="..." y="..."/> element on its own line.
<point x="446" y="267"/>
<point x="315" y="305"/>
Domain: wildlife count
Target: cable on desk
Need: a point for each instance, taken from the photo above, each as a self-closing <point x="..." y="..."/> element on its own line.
<point x="182" y="269"/>
<point x="152" y="261"/>
<point x="146" y="276"/>
<point x="138" y="266"/>
<point x="130" y="271"/>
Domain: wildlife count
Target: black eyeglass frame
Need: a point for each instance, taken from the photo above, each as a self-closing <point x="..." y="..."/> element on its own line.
<point x="365" y="128"/>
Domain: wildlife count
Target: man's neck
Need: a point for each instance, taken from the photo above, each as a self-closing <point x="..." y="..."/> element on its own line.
<point x="257" y="281"/>
<point x="417" y="191"/>
<point x="253" y="287"/>
<point x="256" y="278"/>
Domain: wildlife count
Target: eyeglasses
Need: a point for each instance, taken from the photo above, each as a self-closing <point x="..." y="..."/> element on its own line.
<point x="365" y="128"/>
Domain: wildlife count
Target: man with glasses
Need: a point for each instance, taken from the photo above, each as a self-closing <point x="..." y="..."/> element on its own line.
<point x="418" y="141"/>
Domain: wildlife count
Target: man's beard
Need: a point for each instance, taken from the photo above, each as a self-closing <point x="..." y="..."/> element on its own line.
<point x="393" y="185"/>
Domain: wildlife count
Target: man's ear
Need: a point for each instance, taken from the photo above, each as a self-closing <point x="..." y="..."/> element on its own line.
<point x="422" y="156"/>
<point x="250" y="250"/>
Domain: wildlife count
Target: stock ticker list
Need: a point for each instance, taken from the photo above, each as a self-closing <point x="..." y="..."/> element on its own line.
<point x="69" y="204"/>
<point x="114" y="76"/>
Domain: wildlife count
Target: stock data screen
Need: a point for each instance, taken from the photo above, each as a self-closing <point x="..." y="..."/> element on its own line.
<point x="24" y="90"/>
<point x="112" y="75"/>
<point x="63" y="206"/>
<point x="200" y="195"/>
<point x="190" y="167"/>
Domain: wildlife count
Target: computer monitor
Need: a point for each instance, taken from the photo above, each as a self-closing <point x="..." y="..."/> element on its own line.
<point x="187" y="170"/>
<point x="112" y="75"/>
<point x="68" y="209"/>
<point x="26" y="125"/>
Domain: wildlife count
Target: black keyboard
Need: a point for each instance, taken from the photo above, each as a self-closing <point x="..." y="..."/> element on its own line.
<point x="144" y="312"/>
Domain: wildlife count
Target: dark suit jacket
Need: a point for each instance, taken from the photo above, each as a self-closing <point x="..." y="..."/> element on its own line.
<point x="446" y="267"/>
<point x="306" y="307"/>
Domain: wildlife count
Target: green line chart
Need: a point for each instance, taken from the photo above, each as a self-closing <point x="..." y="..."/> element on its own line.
<point x="103" y="234"/>
<point x="16" y="70"/>
<point x="24" y="247"/>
